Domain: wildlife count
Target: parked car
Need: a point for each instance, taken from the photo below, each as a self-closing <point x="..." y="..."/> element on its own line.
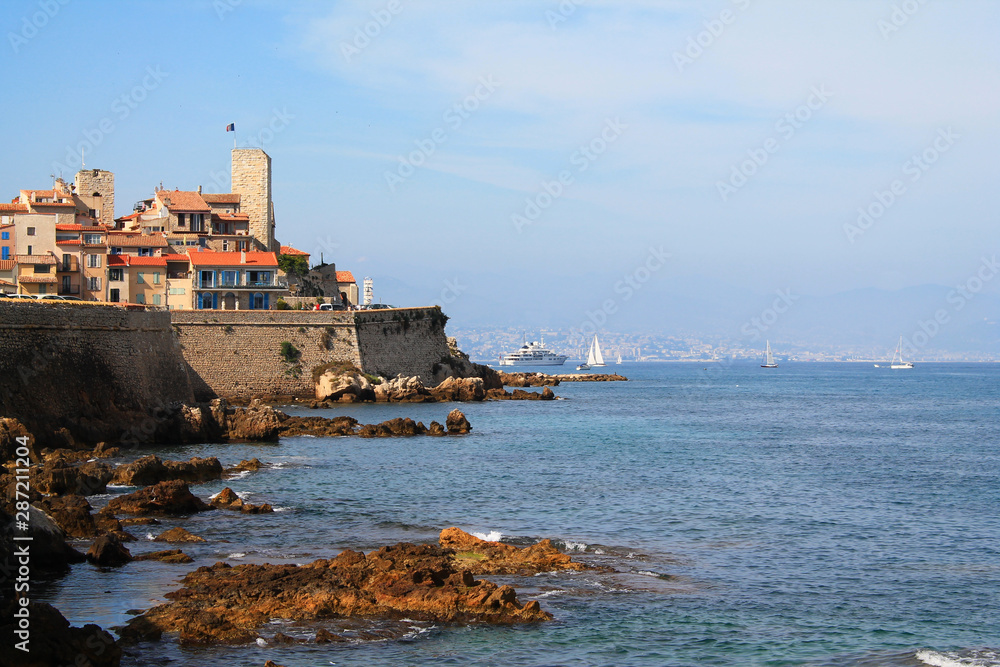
<point x="376" y="306"/>
<point x="22" y="296"/>
<point x="59" y="297"/>
<point x="331" y="306"/>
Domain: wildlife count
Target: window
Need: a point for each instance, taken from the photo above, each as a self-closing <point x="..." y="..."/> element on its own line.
<point x="140" y="277"/>
<point x="29" y="250"/>
<point x="67" y="263"/>
<point x="140" y="298"/>
<point x="156" y="299"/>
<point x="41" y="289"/>
<point x="115" y="295"/>
<point x="92" y="239"/>
<point x="225" y="246"/>
<point x="31" y="231"/>
<point x="145" y="252"/>
<point x="94" y="261"/>
<point x="156" y="277"/>
<point x="116" y="251"/>
<point x="243" y="245"/>
<point x="92" y="212"/>
<point x="5" y="252"/>
<point x="176" y="290"/>
<point x="42" y="268"/>
<point x="94" y="284"/>
<point x="5" y="236"/>
<point x="180" y="219"/>
<point x="116" y="275"/>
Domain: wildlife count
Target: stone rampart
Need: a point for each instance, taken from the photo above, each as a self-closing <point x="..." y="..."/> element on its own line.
<point x="95" y="370"/>
<point x="239" y="354"/>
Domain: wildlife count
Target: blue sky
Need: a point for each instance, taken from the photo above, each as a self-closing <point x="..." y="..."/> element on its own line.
<point x="376" y="168"/>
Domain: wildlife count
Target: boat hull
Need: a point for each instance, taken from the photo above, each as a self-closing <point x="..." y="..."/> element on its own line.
<point x="558" y="361"/>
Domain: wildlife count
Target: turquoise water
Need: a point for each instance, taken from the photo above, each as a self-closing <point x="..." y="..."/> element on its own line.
<point x="815" y="514"/>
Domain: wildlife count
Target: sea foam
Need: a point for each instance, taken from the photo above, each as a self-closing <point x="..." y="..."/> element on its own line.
<point x="492" y="536"/>
<point x="975" y="658"/>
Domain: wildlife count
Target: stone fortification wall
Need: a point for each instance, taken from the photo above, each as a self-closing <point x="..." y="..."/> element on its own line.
<point x="402" y="341"/>
<point x="239" y="354"/>
<point x="93" y="369"/>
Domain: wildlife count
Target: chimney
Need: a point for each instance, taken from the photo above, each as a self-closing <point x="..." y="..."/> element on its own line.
<point x="199" y="189"/>
<point x="243" y="256"/>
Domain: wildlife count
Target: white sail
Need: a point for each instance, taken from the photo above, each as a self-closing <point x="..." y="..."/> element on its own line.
<point x="897" y="358"/>
<point x="768" y="358"/>
<point x="595" y="358"/>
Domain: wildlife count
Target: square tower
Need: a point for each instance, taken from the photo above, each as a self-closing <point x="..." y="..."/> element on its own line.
<point x="96" y="188"/>
<point x="251" y="173"/>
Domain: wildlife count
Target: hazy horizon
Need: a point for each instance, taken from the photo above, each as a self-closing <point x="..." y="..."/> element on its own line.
<point x="653" y="166"/>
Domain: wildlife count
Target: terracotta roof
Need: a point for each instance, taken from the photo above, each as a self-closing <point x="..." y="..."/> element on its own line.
<point x="14" y="208"/>
<point x="182" y="200"/>
<point x="224" y="198"/>
<point x="133" y="260"/>
<point x="97" y="229"/>
<point x="130" y="216"/>
<point x="345" y="277"/>
<point x="136" y="240"/>
<point x="35" y="259"/>
<point x="7" y="264"/>
<point x="239" y="217"/>
<point x="289" y="250"/>
<point x="69" y="242"/>
<point x="37" y="279"/>
<point x="211" y="258"/>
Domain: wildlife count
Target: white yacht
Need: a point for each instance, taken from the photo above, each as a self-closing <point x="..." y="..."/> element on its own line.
<point x="594" y="357"/>
<point x="533" y="354"/>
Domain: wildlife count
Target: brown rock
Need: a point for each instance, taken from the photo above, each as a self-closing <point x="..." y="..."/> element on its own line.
<point x="167" y="556"/>
<point x="227" y="499"/>
<point x="460" y="389"/>
<point x="256" y="423"/>
<point x="177" y="534"/>
<point x="403" y="390"/>
<point x="324" y="636"/>
<point x="250" y="465"/>
<point x="435" y="429"/>
<point x="482" y="557"/>
<point x="108" y="551"/>
<point x="272" y="663"/>
<point x="58" y="476"/>
<point x="457" y="423"/>
<point x="548" y="395"/>
<point x="528" y="380"/>
<point x="10" y="431"/>
<point x="54" y="642"/>
<point x="227" y="604"/>
<point x="71" y="513"/>
<point x="151" y="470"/>
<point x="335" y="384"/>
<point x="49" y="550"/>
<point x="165" y="498"/>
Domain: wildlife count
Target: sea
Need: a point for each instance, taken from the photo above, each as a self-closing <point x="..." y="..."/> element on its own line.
<point x="821" y="514"/>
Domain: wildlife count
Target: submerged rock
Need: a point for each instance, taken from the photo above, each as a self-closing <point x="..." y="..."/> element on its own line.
<point x="225" y="604"/>
<point x="167" y="556"/>
<point x="482" y="557"/>
<point x="178" y="534"/>
<point x="227" y="499"/>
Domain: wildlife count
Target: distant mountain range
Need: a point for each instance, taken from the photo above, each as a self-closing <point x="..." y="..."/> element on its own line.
<point x="932" y="318"/>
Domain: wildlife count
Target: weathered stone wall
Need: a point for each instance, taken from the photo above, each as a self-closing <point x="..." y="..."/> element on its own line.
<point x="90" y="368"/>
<point x="238" y="354"/>
<point x="89" y="181"/>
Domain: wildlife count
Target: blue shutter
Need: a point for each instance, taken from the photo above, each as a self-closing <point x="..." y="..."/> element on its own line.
<point x="215" y="300"/>
<point x="265" y="300"/>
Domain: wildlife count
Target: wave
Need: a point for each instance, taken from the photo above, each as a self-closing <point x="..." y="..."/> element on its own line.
<point x="492" y="536"/>
<point x="970" y="658"/>
<point x="237" y="554"/>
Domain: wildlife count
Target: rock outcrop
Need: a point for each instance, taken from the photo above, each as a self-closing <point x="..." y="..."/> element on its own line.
<point x="225" y="604"/>
<point x="165" y="498"/>
<point x="227" y="499"/>
<point x="151" y="470"/>
<point x="166" y="556"/>
<point x="457" y="423"/>
<point x="545" y="394"/>
<point x="346" y="386"/>
<point x="482" y="557"/>
<point x="460" y="389"/>
<point x="177" y="534"/>
<point x="528" y="380"/>
<point x="49" y="550"/>
<point x="72" y="513"/>
<point x="403" y="390"/>
<point x="107" y="551"/>
<point x="54" y="642"/>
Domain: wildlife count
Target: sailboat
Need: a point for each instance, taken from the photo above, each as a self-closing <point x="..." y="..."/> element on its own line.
<point x="594" y="356"/>
<point x="897" y="357"/>
<point x="619" y="362"/>
<point x="768" y="358"/>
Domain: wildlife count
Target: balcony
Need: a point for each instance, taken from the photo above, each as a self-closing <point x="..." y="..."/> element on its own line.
<point x="69" y="290"/>
<point x="178" y="275"/>
<point x="239" y="284"/>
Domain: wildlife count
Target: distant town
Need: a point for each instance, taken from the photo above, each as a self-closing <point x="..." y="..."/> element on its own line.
<point x="487" y="344"/>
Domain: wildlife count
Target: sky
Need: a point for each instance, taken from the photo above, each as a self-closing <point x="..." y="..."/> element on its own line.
<point x="529" y="163"/>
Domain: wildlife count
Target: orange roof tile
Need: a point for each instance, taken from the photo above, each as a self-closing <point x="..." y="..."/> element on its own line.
<point x="7" y="264"/>
<point x="136" y="240"/>
<point x="37" y="279"/>
<point x="182" y="200"/>
<point x="228" y="217"/>
<point x="211" y="258"/>
<point x="14" y="208"/>
<point x="289" y="250"/>
<point x="221" y="198"/>
<point x="81" y="228"/>
<point x="345" y="277"/>
<point x="117" y="260"/>
<point x="68" y="242"/>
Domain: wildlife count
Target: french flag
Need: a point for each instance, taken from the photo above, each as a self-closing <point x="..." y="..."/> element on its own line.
<point x="231" y="127"/>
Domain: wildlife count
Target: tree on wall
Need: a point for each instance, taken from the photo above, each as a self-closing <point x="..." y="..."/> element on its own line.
<point x="293" y="264"/>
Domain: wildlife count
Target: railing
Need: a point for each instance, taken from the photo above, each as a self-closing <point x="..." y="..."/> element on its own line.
<point x="178" y="275"/>
<point x="69" y="290"/>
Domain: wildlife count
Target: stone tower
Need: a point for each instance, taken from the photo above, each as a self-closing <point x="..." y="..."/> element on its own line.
<point x="97" y="188"/>
<point x="252" y="181"/>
